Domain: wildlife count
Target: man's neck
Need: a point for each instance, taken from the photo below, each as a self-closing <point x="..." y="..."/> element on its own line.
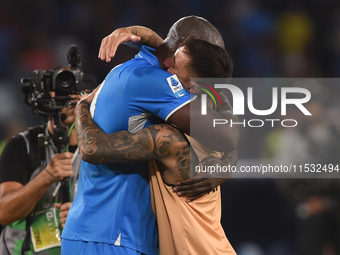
<point x="162" y="53"/>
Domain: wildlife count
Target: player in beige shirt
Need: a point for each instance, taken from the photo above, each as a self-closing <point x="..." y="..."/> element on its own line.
<point x="187" y="228"/>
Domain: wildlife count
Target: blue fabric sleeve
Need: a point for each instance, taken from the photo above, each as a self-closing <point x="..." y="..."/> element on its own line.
<point x="155" y="91"/>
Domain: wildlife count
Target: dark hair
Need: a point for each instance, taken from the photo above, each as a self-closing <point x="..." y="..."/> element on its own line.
<point x="207" y="60"/>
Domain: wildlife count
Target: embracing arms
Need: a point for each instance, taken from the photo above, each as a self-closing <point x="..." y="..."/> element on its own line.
<point x="159" y="142"/>
<point x="97" y="147"/>
<point x="221" y="137"/>
<point x="134" y="36"/>
<point x="162" y="142"/>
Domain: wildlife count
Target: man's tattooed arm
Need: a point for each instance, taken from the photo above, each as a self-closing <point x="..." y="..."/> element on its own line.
<point x="97" y="147"/>
<point x="161" y="142"/>
<point x="148" y="36"/>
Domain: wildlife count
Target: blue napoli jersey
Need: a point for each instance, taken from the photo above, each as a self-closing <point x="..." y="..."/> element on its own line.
<point x="113" y="203"/>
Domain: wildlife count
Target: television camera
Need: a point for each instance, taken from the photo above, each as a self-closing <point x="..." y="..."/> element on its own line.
<point x="48" y="92"/>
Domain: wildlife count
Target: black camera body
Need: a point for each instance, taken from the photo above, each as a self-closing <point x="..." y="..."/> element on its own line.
<point x="62" y="81"/>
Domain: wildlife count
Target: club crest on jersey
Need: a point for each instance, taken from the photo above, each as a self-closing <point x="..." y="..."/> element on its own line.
<point x="176" y="86"/>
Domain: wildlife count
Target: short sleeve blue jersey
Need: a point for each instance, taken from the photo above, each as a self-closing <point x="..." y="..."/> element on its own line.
<point x="113" y="202"/>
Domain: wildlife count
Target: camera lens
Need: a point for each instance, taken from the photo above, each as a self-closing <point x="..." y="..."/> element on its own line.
<point x="65" y="80"/>
<point x="26" y="85"/>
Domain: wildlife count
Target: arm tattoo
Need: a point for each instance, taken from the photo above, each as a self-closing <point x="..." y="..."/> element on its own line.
<point x="96" y="146"/>
<point x="148" y="37"/>
<point x="88" y="134"/>
<point x="162" y="140"/>
<point x="183" y="162"/>
<point x="169" y="142"/>
<point x="159" y="142"/>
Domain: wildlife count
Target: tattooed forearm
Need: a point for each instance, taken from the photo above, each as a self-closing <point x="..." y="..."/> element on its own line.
<point x="160" y="142"/>
<point x="148" y="37"/>
<point x="97" y="147"/>
<point x="87" y="130"/>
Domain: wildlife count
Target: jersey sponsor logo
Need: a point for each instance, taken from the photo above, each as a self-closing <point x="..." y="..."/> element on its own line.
<point x="176" y="86"/>
<point x="173" y="81"/>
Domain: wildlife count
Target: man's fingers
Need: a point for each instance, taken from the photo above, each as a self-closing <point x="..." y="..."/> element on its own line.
<point x="90" y="97"/>
<point x="64" y="155"/>
<point x="64" y="210"/>
<point x="110" y="43"/>
<point x="193" y="192"/>
<point x="108" y="47"/>
<point x="192" y="198"/>
<point x="115" y="42"/>
<point x="188" y="184"/>
<point x="65" y="164"/>
<point x="111" y="48"/>
<point x="57" y="205"/>
<point x="105" y="46"/>
<point x="135" y="38"/>
<point x="66" y="206"/>
<point x="196" y="187"/>
<point x="63" y="214"/>
<point x="102" y="49"/>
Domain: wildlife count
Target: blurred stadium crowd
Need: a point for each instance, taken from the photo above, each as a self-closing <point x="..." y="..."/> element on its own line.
<point x="276" y="39"/>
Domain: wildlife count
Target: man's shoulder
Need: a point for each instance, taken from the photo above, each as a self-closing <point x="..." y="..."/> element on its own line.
<point x="25" y="137"/>
<point x="146" y="60"/>
<point x="137" y="69"/>
<point x="16" y="140"/>
<point x="149" y="72"/>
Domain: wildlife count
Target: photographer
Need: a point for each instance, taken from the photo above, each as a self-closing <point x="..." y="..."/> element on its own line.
<point x="27" y="183"/>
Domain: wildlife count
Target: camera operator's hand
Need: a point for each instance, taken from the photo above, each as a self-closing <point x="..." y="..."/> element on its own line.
<point x="18" y="200"/>
<point x="59" y="167"/>
<point x="77" y="98"/>
<point x="111" y="42"/>
<point x="64" y="209"/>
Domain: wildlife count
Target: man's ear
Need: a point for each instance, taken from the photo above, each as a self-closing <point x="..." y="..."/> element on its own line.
<point x="194" y="88"/>
<point x="169" y="62"/>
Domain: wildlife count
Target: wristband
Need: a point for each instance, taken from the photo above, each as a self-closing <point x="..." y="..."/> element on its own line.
<point x="53" y="175"/>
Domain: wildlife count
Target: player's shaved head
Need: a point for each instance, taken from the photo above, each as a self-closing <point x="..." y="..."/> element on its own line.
<point x="196" y="27"/>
